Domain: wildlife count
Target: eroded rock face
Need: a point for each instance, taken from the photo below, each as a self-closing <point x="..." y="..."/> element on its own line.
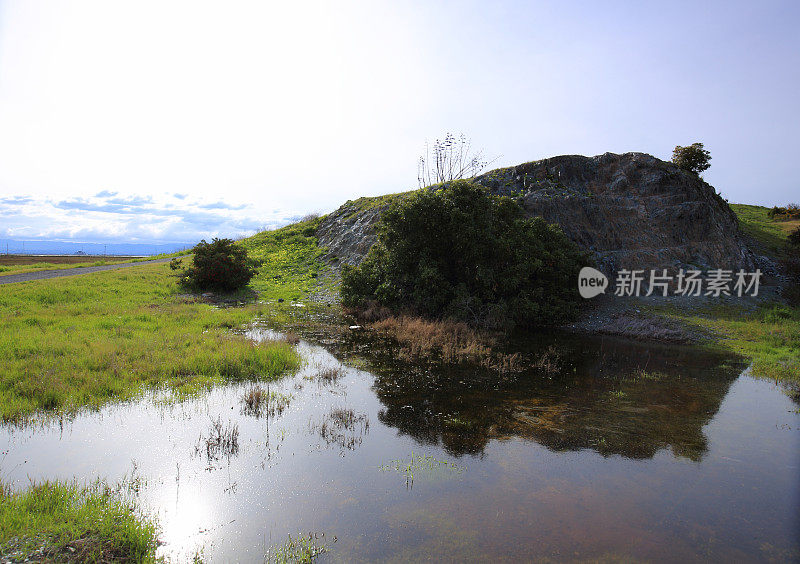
<point x="632" y="211"/>
<point x="349" y="233"/>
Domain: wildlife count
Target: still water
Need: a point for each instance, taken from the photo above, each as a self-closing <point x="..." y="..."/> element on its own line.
<point x="629" y="453"/>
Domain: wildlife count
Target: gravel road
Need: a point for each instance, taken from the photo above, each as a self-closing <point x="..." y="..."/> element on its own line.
<point x="44" y="274"/>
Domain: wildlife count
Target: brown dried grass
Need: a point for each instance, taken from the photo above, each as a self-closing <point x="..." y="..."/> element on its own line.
<point x="449" y="341"/>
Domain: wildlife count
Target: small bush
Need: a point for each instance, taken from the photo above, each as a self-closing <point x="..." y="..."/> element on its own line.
<point x="461" y="253"/>
<point x="220" y="266"/>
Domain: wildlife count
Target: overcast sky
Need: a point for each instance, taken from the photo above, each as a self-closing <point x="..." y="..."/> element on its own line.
<point x="180" y="120"/>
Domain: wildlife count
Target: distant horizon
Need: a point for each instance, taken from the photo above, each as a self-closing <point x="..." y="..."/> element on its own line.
<point x="53" y="247"/>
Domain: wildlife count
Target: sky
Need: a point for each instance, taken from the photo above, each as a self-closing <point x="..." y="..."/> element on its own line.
<point x="175" y="121"/>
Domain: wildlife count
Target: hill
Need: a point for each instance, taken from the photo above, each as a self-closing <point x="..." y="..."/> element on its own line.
<point x="631" y="211"/>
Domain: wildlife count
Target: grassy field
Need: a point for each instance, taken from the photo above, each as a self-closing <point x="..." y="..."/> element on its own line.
<point x="62" y="522"/>
<point x="72" y="342"/>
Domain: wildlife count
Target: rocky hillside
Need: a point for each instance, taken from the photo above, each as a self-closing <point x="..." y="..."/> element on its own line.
<point x="631" y="210"/>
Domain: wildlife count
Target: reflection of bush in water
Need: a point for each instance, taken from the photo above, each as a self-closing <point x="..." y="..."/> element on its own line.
<point x="605" y="401"/>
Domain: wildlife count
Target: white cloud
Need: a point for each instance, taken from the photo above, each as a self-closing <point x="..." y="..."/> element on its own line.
<point x="109" y="217"/>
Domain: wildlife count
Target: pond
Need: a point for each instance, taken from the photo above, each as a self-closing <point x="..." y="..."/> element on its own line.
<point x="629" y="452"/>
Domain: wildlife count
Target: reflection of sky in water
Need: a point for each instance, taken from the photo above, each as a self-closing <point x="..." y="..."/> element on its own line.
<point x="694" y="464"/>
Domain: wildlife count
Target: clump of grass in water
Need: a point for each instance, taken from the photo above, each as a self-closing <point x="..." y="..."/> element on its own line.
<point x="221" y="440"/>
<point x="421" y="465"/>
<point x="254" y="400"/>
<point x="329" y="375"/>
<point x="342" y="427"/>
<point x="347" y="418"/>
<point x="458" y="423"/>
<point x="258" y="401"/>
<point x="642" y="374"/>
<point x="303" y="548"/>
<point x="62" y="522"/>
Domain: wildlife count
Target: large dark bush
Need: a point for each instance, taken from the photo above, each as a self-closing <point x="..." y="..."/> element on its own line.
<point x="221" y="266"/>
<point x="461" y="253"/>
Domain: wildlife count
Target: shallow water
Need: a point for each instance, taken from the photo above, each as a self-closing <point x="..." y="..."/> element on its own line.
<point x="630" y="452"/>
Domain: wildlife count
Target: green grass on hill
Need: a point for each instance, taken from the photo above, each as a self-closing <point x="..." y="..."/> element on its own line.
<point x="771" y="233"/>
<point x="290" y="261"/>
<point x="83" y="341"/>
<point x="367" y="203"/>
<point x="62" y="522"/>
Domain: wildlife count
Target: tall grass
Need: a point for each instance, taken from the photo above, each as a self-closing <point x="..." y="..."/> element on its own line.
<point x="72" y="342"/>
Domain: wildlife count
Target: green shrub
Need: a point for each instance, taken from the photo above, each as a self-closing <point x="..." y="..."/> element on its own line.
<point x="693" y="158"/>
<point x="461" y="253"/>
<point x="221" y="266"/>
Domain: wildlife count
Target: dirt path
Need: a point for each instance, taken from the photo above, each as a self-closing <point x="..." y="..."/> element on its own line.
<point x="44" y="274"/>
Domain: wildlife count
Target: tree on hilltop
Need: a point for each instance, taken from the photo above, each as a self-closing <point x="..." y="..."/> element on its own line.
<point x="693" y="158"/>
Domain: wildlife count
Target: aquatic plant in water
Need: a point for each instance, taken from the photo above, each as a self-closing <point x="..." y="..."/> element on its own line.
<point x="422" y="465"/>
<point x="221" y="441"/>
<point x="342" y="427"/>
<point x="302" y="548"/>
<point x="258" y="401"/>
